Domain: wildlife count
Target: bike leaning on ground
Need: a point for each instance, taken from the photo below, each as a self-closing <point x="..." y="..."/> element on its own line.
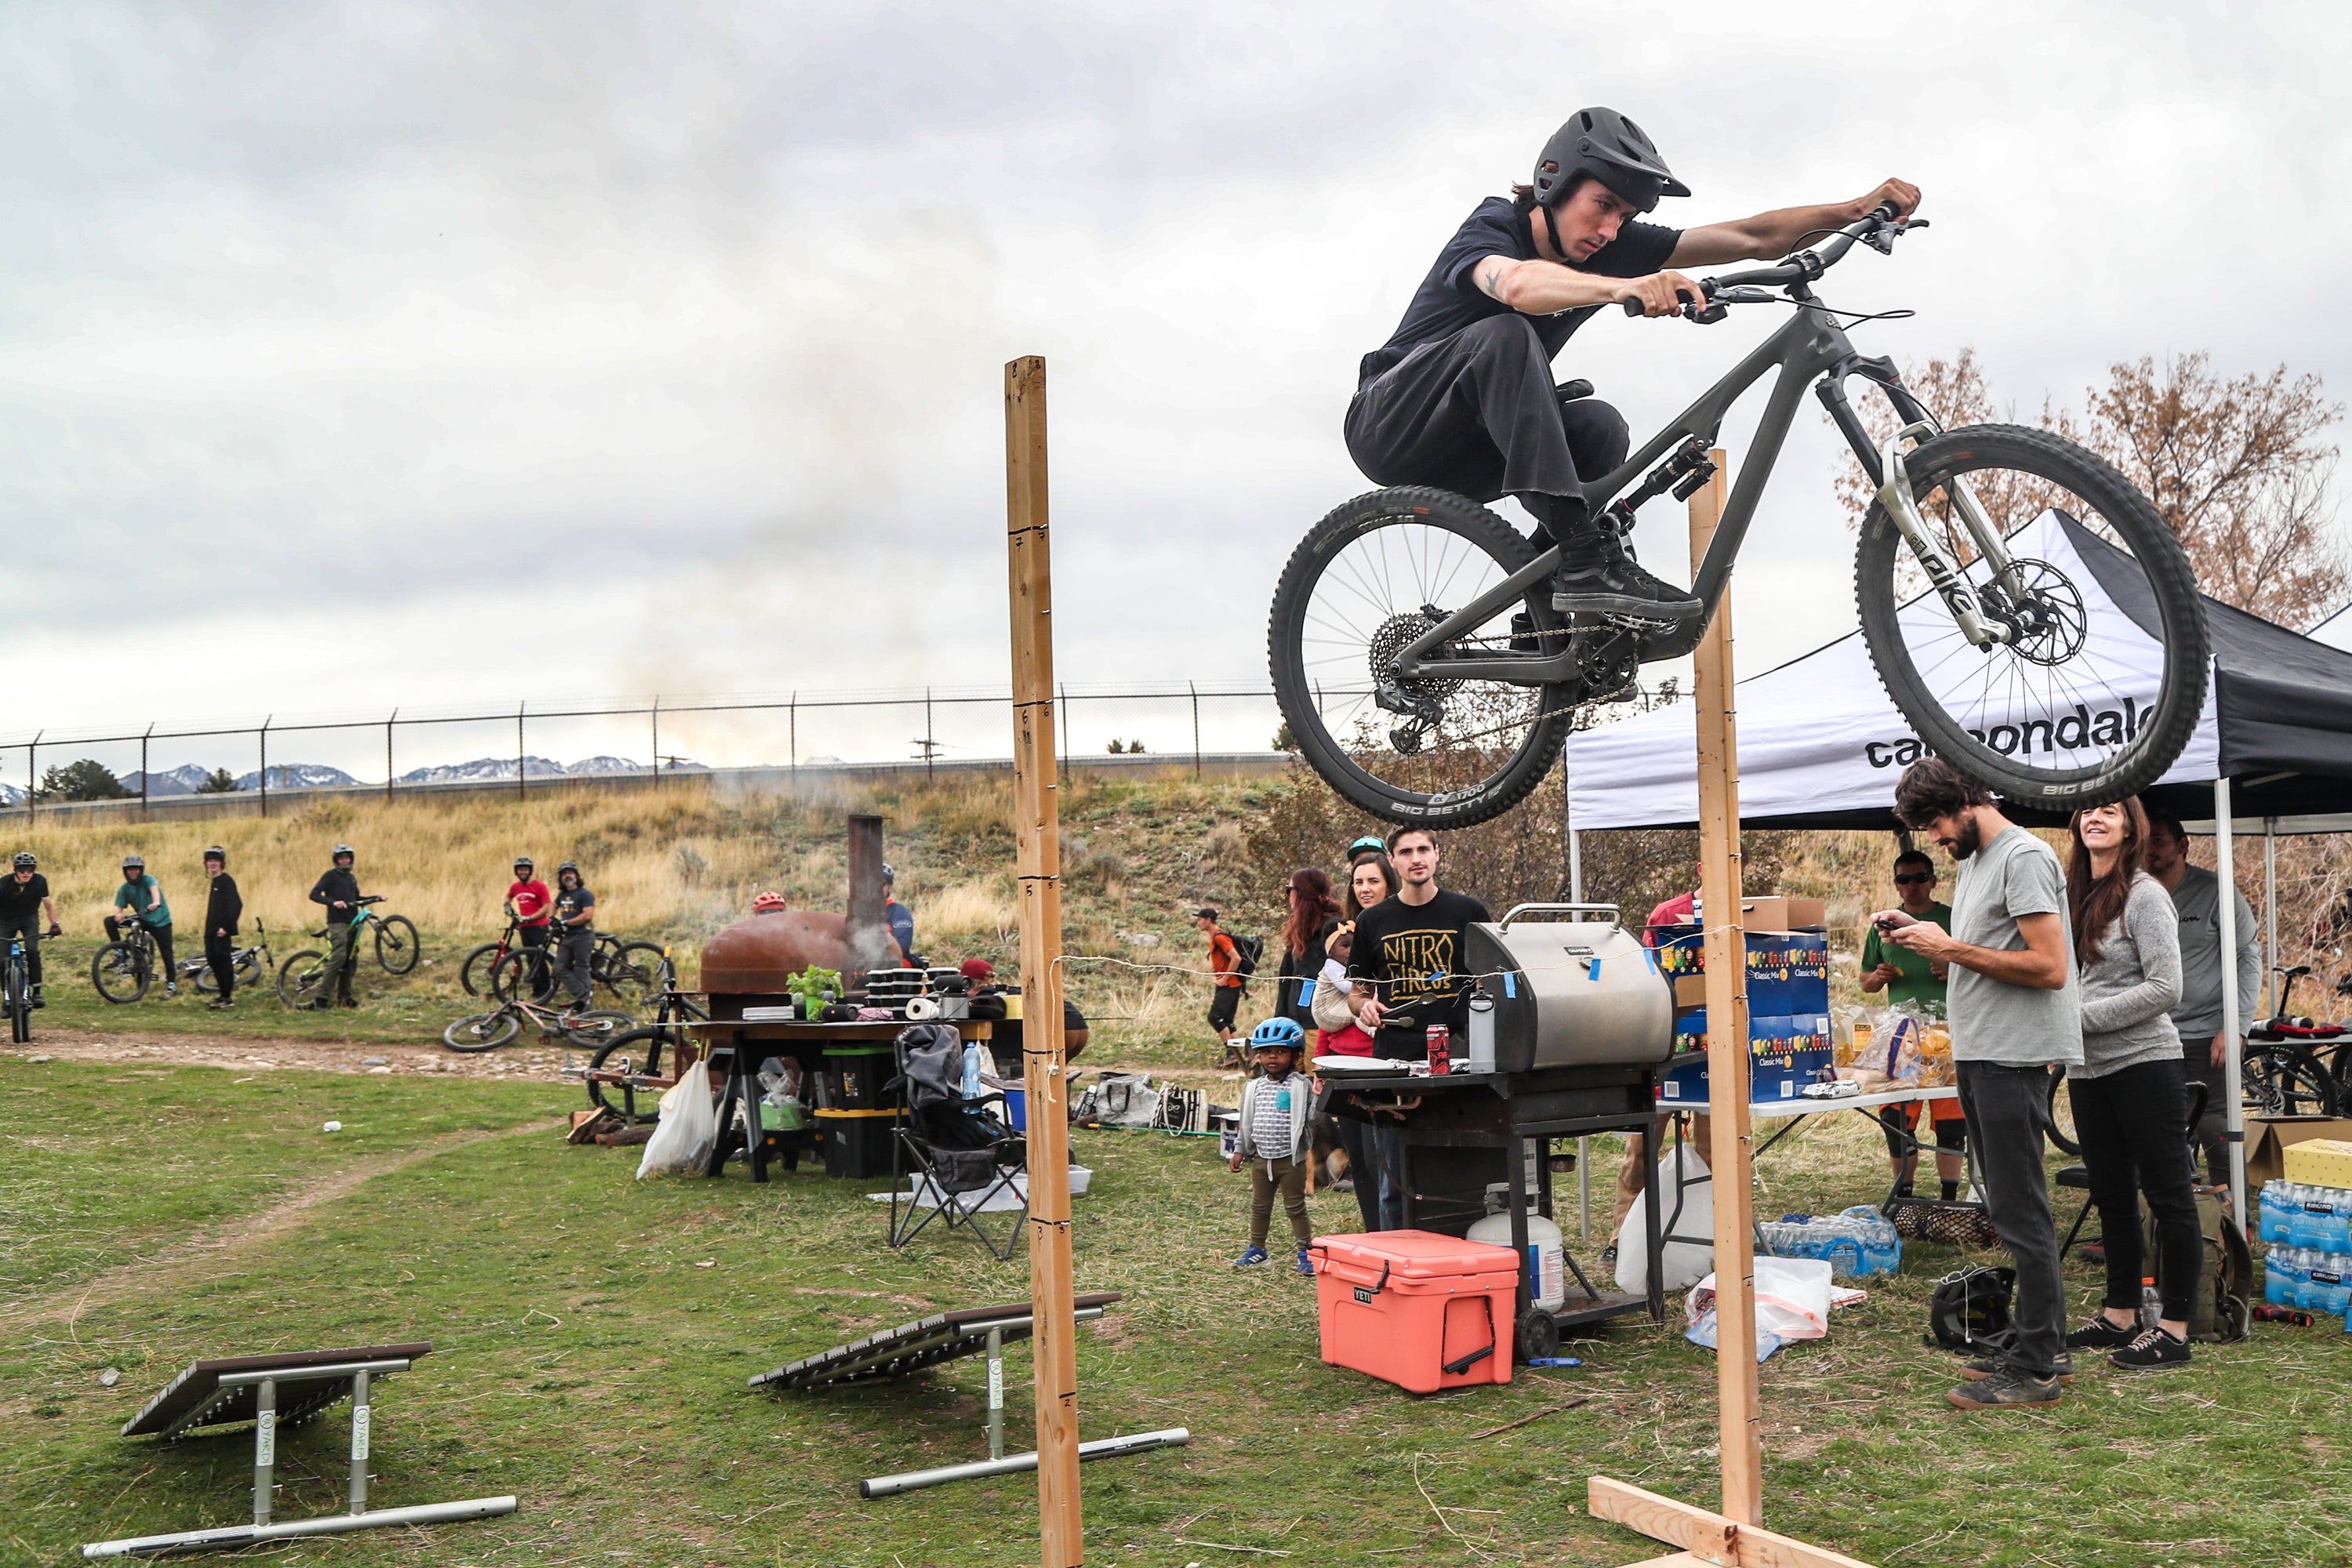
<point x="124" y="968"/>
<point x="487" y="1031"/>
<point x="250" y="965"/>
<point x="626" y="967"/>
<point x="1421" y="663"/>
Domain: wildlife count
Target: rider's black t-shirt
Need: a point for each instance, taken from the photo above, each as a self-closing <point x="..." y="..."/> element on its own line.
<point x="1450" y="299"/>
<point x="570" y="901"/>
<point x="21" y="901"/>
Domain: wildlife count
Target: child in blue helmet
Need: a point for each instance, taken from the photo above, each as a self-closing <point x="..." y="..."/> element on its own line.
<point x="1274" y="1137"/>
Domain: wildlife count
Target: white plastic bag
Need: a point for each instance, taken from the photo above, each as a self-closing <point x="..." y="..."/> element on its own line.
<point x="1792" y="1302"/>
<point x="688" y="1129"/>
<point x="1682" y="1262"/>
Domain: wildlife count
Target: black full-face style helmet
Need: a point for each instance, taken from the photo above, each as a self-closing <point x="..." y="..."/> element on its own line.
<point x="523" y="863"/>
<point x="1614" y="150"/>
<point x="134" y="863"/>
<point x="571" y="866"/>
<point x="27" y="861"/>
<point x="341" y="850"/>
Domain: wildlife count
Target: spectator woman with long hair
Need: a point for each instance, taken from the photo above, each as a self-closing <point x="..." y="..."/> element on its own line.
<point x="2129" y="1095"/>
<point x="1371" y="880"/>
<point x="1374" y="1153"/>
<point x="1314" y="916"/>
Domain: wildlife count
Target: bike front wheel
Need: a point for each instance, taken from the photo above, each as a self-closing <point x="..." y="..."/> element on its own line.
<point x="2061" y="1117"/>
<point x="2100" y="677"/>
<point x="523" y="971"/>
<point x="1368" y="581"/>
<point x="474" y="969"/>
<point x="20" y="1005"/>
<point x="629" y="971"/>
<point x="482" y="1031"/>
<point x="2284" y="1079"/>
<point x="396" y="944"/>
<point x="635" y="1051"/>
<point x="302" y="979"/>
<point x="120" y="972"/>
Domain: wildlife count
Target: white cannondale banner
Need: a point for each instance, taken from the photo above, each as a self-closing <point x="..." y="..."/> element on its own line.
<point x="1819" y="734"/>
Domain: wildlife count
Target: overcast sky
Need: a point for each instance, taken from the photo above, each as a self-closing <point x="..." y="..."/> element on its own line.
<point x="355" y="356"/>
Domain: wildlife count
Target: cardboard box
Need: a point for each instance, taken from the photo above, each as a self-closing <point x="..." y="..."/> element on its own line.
<point x="2268" y="1138"/>
<point x="2321" y="1161"/>
<point x="1776" y="913"/>
<point x="1784" y="1053"/>
<point x="1690" y="990"/>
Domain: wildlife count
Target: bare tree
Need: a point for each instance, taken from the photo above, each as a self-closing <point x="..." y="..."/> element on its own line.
<point x="2240" y="469"/>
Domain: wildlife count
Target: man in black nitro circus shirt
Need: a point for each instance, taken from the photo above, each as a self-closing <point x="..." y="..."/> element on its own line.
<point x="1409" y="950"/>
<point x="1461" y="398"/>
<point x="24" y="900"/>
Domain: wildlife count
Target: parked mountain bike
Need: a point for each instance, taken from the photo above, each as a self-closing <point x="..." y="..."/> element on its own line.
<point x="16" y="990"/>
<point x="124" y="968"/>
<point x="474" y="971"/>
<point x="1420" y="662"/>
<point x="2295" y="1065"/>
<point x="627" y="968"/>
<point x="646" y="1051"/>
<point x="488" y="1031"/>
<point x="250" y="965"/>
<point x="302" y="977"/>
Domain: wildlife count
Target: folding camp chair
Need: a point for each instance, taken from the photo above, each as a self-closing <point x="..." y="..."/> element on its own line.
<point x="960" y="1157"/>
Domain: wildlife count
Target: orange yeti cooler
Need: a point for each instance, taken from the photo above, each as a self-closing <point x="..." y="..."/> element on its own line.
<point x="1416" y="1308"/>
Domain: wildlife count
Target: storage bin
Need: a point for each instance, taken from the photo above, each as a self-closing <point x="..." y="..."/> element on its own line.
<point x="855" y="1077"/>
<point x="1416" y="1308"/>
<point x="856" y="1144"/>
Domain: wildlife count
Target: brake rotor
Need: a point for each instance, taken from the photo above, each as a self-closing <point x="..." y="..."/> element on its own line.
<point x="2050" y="622"/>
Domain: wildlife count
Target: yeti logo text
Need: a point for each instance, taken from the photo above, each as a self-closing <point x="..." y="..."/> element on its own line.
<point x="2068" y="732"/>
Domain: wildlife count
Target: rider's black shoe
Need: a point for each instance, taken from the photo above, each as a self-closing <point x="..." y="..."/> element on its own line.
<point x="1596" y="577"/>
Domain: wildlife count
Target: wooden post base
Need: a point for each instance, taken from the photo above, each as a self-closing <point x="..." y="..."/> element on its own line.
<point x="1704" y="1535"/>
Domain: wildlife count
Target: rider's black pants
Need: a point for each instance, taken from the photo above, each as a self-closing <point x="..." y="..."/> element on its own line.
<point x="220" y="953"/>
<point x="1476" y="413"/>
<point x="534" y="938"/>
<point x="574" y="954"/>
<point x="29" y="927"/>
<point x="163" y="935"/>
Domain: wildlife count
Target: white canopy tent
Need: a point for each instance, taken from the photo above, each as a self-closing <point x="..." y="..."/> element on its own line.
<point x="1820" y="743"/>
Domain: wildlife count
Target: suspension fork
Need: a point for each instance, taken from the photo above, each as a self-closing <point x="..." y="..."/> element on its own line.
<point x="1888" y="471"/>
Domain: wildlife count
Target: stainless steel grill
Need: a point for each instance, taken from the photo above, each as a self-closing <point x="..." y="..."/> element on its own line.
<point x="1570" y="993"/>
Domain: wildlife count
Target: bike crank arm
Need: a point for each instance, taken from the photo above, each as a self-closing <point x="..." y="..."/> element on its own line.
<point x="1896" y="496"/>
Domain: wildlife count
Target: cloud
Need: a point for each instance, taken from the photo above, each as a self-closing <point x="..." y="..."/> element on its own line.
<point x="468" y="324"/>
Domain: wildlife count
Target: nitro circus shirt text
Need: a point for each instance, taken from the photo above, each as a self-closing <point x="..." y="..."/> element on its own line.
<point x="1411" y="953"/>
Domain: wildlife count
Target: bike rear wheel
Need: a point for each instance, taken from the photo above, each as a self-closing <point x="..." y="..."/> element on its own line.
<point x="2061" y="1118"/>
<point x="2103" y="682"/>
<point x="1369" y="579"/>
<point x="302" y="979"/>
<point x="474" y="969"/>
<point x="122" y="972"/>
<point x="594" y="1029"/>
<point x="629" y="970"/>
<point x="396" y="944"/>
<point x="482" y="1031"/>
<point x="2284" y="1079"/>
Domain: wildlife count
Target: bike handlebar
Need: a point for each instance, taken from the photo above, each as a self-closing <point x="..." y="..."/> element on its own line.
<point x="1879" y="230"/>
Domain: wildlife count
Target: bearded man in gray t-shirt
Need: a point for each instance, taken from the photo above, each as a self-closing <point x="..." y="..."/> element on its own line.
<point x="2015" y="1013"/>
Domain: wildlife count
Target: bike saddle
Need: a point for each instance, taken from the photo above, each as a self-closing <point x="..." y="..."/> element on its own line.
<point x="2297" y="973"/>
<point x="1569" y="391"/>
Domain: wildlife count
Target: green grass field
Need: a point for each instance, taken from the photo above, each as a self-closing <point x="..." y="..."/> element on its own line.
<point x="593" y="1334"/>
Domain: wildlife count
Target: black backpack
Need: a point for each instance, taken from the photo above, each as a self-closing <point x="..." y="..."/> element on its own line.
<point x="1248" y="950"/>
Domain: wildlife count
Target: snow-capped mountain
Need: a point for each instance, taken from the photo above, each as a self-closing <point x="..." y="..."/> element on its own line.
<point x="297" y="775"/>
<point x="181" y="780"/>
<point x="489" y="769"/>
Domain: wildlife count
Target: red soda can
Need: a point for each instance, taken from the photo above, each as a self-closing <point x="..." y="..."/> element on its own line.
<point x="1440" y="1059"/>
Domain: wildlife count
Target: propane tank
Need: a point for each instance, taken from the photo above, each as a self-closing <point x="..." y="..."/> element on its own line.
<point x="1546" y="1253"/>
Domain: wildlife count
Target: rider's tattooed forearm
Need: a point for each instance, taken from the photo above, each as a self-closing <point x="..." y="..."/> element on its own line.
<point x="1490" y="278"/>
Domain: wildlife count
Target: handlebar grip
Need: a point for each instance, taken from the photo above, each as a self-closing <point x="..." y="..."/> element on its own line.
<point x="1884" y="212"/>
<point x="1632" y="307"/>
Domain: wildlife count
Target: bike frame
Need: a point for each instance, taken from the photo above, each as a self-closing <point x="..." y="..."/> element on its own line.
<point x="1810" y="344"/>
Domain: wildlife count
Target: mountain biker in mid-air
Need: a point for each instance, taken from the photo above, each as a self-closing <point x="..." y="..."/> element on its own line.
<point x="1461" y="398"/>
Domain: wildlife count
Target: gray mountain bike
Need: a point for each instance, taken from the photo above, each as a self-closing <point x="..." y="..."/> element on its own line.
<point x="1426" y="676"/>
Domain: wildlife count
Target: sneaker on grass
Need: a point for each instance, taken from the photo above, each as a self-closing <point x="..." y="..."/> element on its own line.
<point x="2006" y="1389"/>
<point x="2102" y="1333"/>
<point x="1250" y="1258"/>
<point x="2152" y="1348"/>
<point x="1983" y="1367"/>
<point x="1306" y="1264"/>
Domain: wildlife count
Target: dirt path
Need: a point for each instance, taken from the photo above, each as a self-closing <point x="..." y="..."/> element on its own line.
<point x="259" y="1053"/>
<point x="200" y="1255"/>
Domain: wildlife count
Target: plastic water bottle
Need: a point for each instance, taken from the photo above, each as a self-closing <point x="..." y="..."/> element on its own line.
<point x="2272" y="1225"/>
<point x="2328" y="1288"/>
<point x="2151" y="1305"/>
<point x="2302" y="1225"/>
<point x="2336" y="1226"/>
<point x="2275" y="1279"/>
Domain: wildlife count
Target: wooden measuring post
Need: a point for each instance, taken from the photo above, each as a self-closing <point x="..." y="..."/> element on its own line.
<point x="1037" y="821"/>
<point x="1732" y="1537"/>
<point x="1740" y="1417"/>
